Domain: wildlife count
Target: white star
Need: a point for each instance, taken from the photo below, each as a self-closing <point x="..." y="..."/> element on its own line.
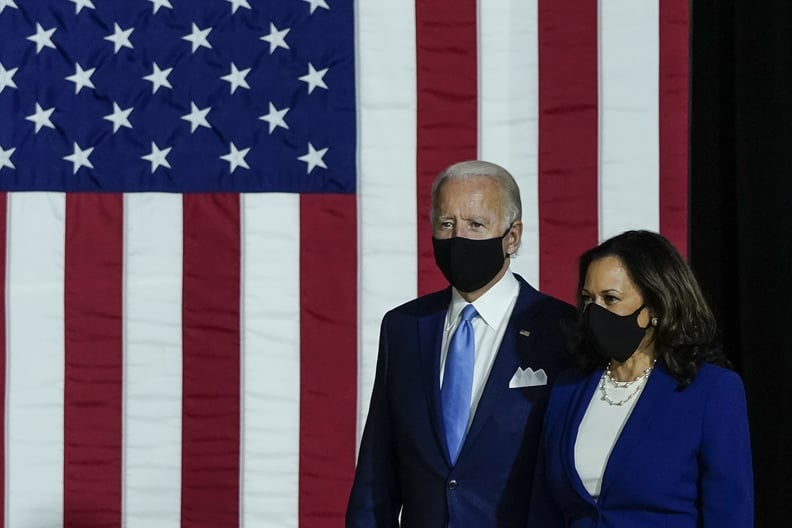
<point x="160" y="3"/>
<point x="119" y="117"/>
<point x="314" y="78"/>
<point x="198" y="37"/>
<point x="5" y="157"/>
<point x="275" y="118"/>
<point x="79" y="4"/>
<point x="314" y="158"/>
<point x="7" y="76"/>
<point x="41" y="117"/>
<point x="80" y="158"/>
<point x="7" y="3"/>
<point x="317" y="3"/>
<point x="236" y="158"/>
<point x="197" y="117"/>
<point x="120" y="37"/>
<point x="158" y="78"/>
<point x="276" y="38"/>
<point x="81" y="78"/>
<point x="236" y="4"/>
<point x="237" y="78"/>
<point x="158" y="158"/>
<point x="42" y="38"/>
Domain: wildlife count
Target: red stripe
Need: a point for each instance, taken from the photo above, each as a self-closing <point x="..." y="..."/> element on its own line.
<point x="211" y="362"/>
<point x="447" y="108"/>
<point x="3" y="353"/>
<point x="94" y="360"/>
<point x="328" y="356"/>
<point x="567" y="140"/>
<point x="674" y="65"/>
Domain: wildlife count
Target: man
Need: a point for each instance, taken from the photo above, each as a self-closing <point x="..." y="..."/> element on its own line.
<point x="454" y="422"/>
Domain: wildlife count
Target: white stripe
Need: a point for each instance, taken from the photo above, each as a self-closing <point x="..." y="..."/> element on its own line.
<point x="34" y="401"/>
<point x="270" y="370"/>
<point x="152" y="360"/>
<point x="508" y="109"/>
<point x="629" y="116"/>
<point x="387" y="264"/>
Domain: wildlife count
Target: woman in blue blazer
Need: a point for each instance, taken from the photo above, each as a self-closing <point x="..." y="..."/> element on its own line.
<point x="651" y="430"/>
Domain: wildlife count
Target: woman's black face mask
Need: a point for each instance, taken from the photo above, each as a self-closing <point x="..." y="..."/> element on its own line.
<point x="613" y="336"/>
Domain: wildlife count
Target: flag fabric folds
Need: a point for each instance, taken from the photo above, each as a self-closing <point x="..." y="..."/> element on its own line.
<point x="208" y="205"/>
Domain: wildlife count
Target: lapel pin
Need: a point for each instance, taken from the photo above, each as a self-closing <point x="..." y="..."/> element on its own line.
<point x="525" y="333"/>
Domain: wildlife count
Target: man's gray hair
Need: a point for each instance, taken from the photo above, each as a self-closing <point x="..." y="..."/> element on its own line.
<point x="465" y="170"/>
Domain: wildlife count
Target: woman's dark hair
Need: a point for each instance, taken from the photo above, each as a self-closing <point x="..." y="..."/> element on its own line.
<point x="686" y="331"/>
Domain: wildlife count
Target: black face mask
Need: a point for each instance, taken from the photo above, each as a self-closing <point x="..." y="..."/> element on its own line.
<point x="613" y="336"/>
<point x="469" y="264"/>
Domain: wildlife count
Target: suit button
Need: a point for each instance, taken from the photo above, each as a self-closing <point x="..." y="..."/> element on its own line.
<point x="452" y="484"/>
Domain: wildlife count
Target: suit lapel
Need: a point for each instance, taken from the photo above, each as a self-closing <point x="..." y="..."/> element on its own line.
<point x="506" y="362"/>
<point x="430" y="339"/>
<point x="514" y="351"/>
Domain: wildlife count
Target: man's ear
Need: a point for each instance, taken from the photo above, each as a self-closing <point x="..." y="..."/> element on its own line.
<point x="513" y="237"/>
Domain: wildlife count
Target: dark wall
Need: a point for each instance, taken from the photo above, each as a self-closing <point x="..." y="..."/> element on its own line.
<point x="741" y="215"/>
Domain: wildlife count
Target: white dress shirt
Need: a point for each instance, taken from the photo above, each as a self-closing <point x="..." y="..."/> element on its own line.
<point x="494" y="309"/>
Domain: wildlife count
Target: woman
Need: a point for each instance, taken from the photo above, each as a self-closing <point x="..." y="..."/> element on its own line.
<point x="651" y="429"/>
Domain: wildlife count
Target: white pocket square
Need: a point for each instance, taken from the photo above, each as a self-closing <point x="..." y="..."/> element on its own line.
<point x="528" y="378"/>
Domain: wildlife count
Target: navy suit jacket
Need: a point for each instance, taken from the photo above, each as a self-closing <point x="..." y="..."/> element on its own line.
<point x="683" y="459"/>
<point x="403" y="466"/>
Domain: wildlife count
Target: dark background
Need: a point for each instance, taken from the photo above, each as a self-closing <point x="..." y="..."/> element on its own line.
<point x="741" y="215"/>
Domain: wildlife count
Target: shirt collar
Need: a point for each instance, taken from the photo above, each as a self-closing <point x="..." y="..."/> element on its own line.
<point x="491" y="306"/>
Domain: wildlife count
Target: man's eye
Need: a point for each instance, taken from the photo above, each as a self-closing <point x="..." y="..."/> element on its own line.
<point x="476" y="225"/>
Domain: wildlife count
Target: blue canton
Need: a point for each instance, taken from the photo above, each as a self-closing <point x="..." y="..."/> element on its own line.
<point x="177" y="96"/>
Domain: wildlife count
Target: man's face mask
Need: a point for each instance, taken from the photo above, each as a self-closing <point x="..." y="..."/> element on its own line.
<point x="469" y="264"/>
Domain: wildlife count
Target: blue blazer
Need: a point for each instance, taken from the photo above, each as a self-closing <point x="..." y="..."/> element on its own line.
<point x="683" y="459"/>
<point x="403" y="466"/>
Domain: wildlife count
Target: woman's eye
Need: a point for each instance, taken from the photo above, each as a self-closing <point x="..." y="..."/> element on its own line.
<point x="610" y="299"/>
<point x="585" y="298"/>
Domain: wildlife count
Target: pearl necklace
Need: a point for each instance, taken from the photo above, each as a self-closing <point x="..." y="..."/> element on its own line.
<point x="637" y="383"/>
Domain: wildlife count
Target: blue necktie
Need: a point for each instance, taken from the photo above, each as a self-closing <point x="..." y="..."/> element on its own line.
<point x="458" y="383"/>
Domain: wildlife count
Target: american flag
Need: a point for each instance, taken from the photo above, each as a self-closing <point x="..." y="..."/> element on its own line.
<point x="210" y="204"/>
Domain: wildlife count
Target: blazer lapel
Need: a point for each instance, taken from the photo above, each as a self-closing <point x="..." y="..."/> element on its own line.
<point x="659" y="385"/>
<point x="577" y="410"/>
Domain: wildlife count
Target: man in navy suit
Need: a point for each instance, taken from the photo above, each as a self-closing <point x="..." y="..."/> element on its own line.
<point x="414" y="469"/>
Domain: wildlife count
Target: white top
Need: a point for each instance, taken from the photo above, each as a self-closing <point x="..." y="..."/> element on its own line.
<point x="600" y="428"/>
<point x="494" y="309"/>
